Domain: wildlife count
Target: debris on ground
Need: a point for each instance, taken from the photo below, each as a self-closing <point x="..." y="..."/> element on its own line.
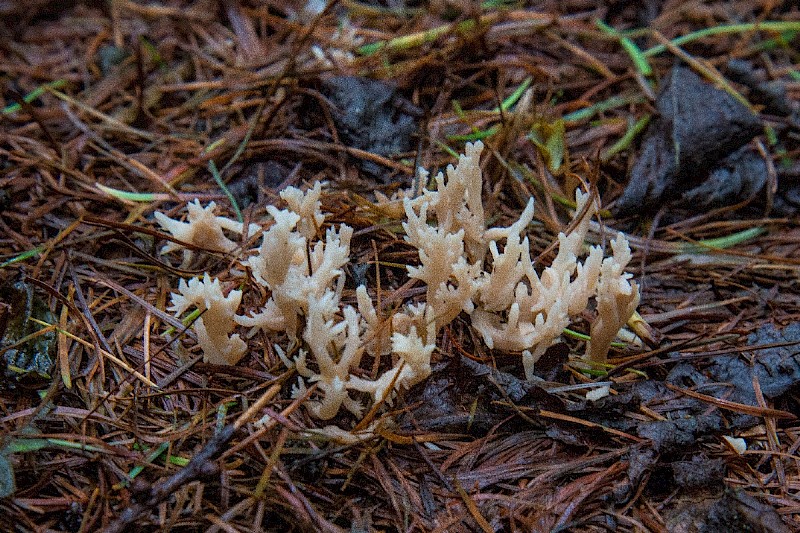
<point x="111" y="420"/>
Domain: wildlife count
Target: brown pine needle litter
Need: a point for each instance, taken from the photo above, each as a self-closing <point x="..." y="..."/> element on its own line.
<point x="111" y="421"/>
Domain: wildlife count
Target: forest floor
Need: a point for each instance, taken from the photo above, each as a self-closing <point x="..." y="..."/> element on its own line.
<point x="680" y="117"/>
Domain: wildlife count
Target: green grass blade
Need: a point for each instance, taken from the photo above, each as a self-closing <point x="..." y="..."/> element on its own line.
<point x="506" y="104"/>
<point x="212" y="167"/>
<point x="126" y="195"/>
<point x="23" y="256"/>
<point x="625" y="141"/>
<point x="639" y="59"/>
<point x="33" y="95"/>
<point x="774" y="26"/>
<point x="415" y="39"/>
<point x="720" y="243"/>
<point x="600" y="107"/>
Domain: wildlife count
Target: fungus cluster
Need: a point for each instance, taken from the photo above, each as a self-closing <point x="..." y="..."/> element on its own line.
<point x="488" y="274"/>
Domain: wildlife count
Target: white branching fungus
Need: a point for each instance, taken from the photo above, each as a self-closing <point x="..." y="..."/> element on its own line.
<point x="308" y="206"/>
<point x="509" y="268"/>
<point x="487" y="273"/>
<point x="339" y="48"/>
<point x="412" y="366"/>
<point x="457" y="202"/>
<point x="336" y="347"/>
<point x="280" y="262"/>
<point x="512" y="306"/>
<point x="532" y="317"/>
<point x="283" y="261"/>
<point x="215" y="325"/>
<point x="203" y="229"/>
<point x="617" y="299"/>
<point x="450" y="278"/>
<point x="451" y="253"/>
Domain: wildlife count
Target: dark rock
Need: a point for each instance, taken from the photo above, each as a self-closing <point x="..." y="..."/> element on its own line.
<point x="371" y="115"/>
<point x="701" y="473"/>
<point x="642" y="459"/>
<point x="737" y="177"/>
<point x="728" y="511"/>
<point x="669" y="436"/>
<point x="787" y="197"/>
<point x="776" y="368"/>
<point x="698" y="125"/>
<point x="27" y="364"/>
